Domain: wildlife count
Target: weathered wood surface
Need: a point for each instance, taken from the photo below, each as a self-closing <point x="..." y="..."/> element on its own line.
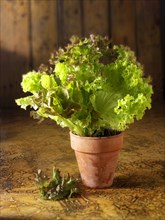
<point x="148" y="41"/>
<point x="43" y="30"/>
<point x="96" y="17"/>
<point x="123" y="23"/>
<point x="14" y="52"/>
<point x="71" y="18"/>
<point x="137" y="192"/>
<point x="31" y="29"/>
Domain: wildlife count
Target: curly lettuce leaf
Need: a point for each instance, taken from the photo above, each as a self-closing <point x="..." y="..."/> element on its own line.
<point x="90" y="86"/>
<point x="31" y="82"/>
<point x="48" y="82"/>
<point x="61" y="71"/>
<point x="25" y="102"/>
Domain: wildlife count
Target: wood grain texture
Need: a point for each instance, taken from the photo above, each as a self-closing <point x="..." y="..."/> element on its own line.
<point x="148" y="41"/>
<point x="71" y="19"/>
<point x="123" y="22"/>
<point x="162" y="28"/>
<point x="31" y="29"/>
<point x="137" y="192"/>
<point x="43" y="30"/>
<point x="14" y="54"/>
<point x="96" y="17"/>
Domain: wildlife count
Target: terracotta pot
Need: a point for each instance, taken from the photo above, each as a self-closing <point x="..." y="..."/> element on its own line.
<point x="97" y="158"/>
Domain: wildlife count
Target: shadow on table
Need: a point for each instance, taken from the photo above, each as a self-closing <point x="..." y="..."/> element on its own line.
<point x="139" y="181"/>
<point x="5" y="135"/>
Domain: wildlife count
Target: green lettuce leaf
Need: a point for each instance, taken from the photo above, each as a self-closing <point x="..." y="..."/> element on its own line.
<point x="48" y="82"/>
<point x="25" y="102"/>
<point x="89" y="86"/>
<point x="31" y="82"/>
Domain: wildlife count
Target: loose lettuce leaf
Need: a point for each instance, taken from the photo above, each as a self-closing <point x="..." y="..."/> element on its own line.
<point x="58" y="187"/>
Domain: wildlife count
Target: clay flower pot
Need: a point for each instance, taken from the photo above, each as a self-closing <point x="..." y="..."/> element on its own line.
<point x="97" y="158"/>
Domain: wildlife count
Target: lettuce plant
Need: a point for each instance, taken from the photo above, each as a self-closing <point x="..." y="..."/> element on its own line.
<point x="57" y="187"/>
<point x="91" y="86"/>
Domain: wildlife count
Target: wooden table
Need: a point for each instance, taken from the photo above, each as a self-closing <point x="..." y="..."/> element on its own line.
<point x="138" y="189"/>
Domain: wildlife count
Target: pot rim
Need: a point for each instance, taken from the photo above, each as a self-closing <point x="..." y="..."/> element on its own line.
<point x="96" y="144"/>
<point x="96" y="138"/>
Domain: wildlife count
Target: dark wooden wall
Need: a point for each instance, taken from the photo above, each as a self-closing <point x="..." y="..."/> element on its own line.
<point x="31" y="29"/>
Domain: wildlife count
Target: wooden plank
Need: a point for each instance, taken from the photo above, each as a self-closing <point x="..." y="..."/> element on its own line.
<point x="14" y="54"/>
<point x="162" y="22"/>
<point x="148" y="42"/>
<point x="44" y="30"/>
<point x="96" y="17"/>
<point x="71" y="19"/>
<point x="123" y="22"/>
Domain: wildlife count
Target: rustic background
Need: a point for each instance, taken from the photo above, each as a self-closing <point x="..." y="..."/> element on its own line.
<point x="31" y="29"/>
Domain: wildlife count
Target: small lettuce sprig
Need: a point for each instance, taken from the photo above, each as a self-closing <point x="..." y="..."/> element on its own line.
<point x="58" y="187"/>
<point x="90" y="86"/>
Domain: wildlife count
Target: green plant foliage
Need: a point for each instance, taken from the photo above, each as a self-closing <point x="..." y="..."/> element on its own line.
<point x="58" y="187"/>
<point x="90" y="86"/>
